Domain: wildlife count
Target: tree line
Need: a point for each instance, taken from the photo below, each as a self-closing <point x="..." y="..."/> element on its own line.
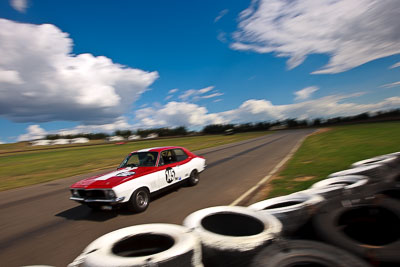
<point x="244" y="127"/>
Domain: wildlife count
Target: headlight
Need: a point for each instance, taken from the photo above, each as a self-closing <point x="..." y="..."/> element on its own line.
<point x="75" y="192"/>
<point x="110" y="194"/>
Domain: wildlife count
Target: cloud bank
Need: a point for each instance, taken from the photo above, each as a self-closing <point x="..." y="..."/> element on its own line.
<point x="41" y="80"/>
<point x="350" y="32"/>
<point x="191" y="115"/>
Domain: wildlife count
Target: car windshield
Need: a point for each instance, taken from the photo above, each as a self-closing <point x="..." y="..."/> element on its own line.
<point x="140" y="159"/>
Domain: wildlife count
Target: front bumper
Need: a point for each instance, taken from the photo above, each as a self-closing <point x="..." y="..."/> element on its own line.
<point x="90" y="200"/>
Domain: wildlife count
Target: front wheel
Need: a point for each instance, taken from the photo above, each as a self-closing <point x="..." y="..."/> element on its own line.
<point x="193" y="178"/>
<point x="139" y="200"/>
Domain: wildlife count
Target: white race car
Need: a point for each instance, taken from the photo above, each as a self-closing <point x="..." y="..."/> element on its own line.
<point x="142" y="173"/>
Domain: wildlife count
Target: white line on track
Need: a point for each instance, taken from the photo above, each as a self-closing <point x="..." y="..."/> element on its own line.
<point x="271" y="173"/>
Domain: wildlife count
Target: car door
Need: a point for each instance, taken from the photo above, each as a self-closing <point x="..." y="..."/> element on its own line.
<point x="183" y="163"/>
<point x="169" y="169"/>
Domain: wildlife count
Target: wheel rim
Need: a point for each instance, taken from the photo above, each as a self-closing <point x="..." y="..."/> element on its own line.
<point x="142" y="199"/>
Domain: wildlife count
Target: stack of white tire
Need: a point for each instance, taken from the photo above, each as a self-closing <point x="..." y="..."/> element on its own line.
<point x="267" y="233"/>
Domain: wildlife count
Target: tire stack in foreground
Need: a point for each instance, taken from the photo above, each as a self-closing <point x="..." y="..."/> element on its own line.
<point x="352" y="218"/>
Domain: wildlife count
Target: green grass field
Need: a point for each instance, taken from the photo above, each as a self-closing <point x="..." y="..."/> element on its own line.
<point x="28" y="168"/>
<point x="335" y="150"/>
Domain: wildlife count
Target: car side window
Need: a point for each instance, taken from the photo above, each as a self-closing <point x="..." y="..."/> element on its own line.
<point x="180" y="154"/>
<point x="167" y="157"/>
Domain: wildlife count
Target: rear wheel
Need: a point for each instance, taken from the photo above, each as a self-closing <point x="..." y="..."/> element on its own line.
<point x="139" y="200"/>
<point x="193" y="178"/>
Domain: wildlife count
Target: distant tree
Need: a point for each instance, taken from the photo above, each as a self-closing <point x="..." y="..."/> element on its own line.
<point x="316" y="122"/>
<point x="217" y="128"/>
<point x="123" y="133"/>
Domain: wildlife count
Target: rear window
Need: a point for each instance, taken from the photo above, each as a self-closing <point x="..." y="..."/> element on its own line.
<point x="167" y="157"/>
<point x="180" y="154"/>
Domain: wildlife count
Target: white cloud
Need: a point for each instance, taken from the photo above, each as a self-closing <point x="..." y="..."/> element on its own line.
<point x="395" y="65"/>
<point x="195" y="95"/>
<point x="351" y="32"/>
<point x="194" y="116"/>
<point x="221" y="14"/>
<point x="176" y="114"/>
<point x="119" y="124"/>
<point x="305" y="93"/>
<point x="253" y="110"/>
<point x="1" y="142"/>
<point x="325" y="107"/>
<point x="172" y="91"/>
<point x="19" y="5"/>
<point x="206" y="90"/>
<point x="33" y="132"/>
<point x="44" y="81"/>
<point x="390" y="85"/>
<point x="222" y="37"/>
<point x="212" y="95"/>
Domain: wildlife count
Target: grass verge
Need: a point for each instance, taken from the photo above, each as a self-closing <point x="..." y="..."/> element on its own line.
<point x="28" y="168"/>
<point x="334" y="150"/>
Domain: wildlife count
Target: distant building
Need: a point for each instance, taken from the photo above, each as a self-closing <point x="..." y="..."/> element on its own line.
<point x="115" y="138"/>
<point x="60" y="142"/>
<point x="41" y="142"/>
<point x="79" y="140"/>
<point x="134" y="137"/>
<point x="152" y="135"/>
<point x="278" y="127"/>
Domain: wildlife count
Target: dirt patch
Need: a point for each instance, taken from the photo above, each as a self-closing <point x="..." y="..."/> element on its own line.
<point x="321" y="130"/>
<point x="303" y="178"/>
<point x="262" y="193"/>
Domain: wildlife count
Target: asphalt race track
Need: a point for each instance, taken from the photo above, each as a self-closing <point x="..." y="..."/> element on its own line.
<point x="40" y="225"/>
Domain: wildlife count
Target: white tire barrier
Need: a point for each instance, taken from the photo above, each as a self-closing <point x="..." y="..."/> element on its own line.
<point x="143" y="245"/>
<point x="292" y="210"/>
<point x="230" y="235"/>
<point x="383" y="159"/>
<point x="377" y="173"/>
<point x="372" y="171"/>
<point x="327" y="192"/>
<point x="352" y="183"/>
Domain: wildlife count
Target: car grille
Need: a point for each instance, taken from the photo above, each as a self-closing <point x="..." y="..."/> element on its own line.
<point x="92" y="194"/>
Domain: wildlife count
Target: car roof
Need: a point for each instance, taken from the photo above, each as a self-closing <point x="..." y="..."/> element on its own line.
<point x="157" y="149"/>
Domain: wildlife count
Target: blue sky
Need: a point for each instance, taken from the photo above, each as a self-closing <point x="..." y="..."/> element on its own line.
<point x="86" y="66"/>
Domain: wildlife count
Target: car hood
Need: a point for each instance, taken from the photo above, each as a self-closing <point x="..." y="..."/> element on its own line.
<point x="113" y="178"/>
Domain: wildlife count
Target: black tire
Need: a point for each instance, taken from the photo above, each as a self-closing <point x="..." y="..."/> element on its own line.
<point x="139" y="200"/>
<point x="368" y="228"/>
<point x="193" y="178"/>
<point x="163" y="245"/>
<point x="285" y="253"/>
